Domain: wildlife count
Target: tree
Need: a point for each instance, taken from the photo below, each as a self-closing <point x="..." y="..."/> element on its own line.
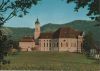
<point x="88" y="42"/>
<point x="8" y="10"/>
<point x="93" y="7"/>
<point x="14" y="8"/>
<point x="2" y="40"/>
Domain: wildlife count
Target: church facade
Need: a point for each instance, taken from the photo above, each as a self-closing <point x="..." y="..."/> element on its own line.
<point x="64" y="39"/>
<point x="26" y="43"/>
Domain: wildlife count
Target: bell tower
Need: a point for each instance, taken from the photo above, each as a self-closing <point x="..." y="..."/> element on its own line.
<point x="37" y="29"/>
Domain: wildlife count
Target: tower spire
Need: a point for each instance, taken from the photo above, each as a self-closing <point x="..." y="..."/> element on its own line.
<point x="37" y="21"/>
<point x="37" y="29"/>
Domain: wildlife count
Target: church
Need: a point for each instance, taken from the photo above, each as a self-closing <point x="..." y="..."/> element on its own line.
<point x="63" y="39"/>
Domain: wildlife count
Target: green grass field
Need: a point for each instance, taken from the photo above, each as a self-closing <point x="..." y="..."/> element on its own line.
<point x="50" y="61"/>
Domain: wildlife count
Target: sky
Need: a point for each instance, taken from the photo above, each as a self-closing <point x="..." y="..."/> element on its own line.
<point x="49" y="11"/>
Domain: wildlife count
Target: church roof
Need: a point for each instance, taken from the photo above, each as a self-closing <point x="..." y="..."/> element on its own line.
<point x="37" y="21"/>
<point x="63" y="32"/>
<point x="27" y="39"/>
<point x="66" y="32"/>
<point x="46" y="35"/>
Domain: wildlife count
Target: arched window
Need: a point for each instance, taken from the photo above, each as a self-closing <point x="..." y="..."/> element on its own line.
<point x="64" y="40"/>
<point x="47" y="44"/>
<point x="50" y="45"/>
<point x="61" y="44"/>
<point x="81" y="44"/>
<point x="57" y="44"/>
<point x="49" y="40"/>
<point x="44" y="44"/>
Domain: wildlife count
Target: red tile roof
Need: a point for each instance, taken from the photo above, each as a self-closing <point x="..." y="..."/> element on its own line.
<point x="67" y="32"/>
<point x="46" y="35"/>
<point x="64" y="32"/>
<point x="27" y="39"/>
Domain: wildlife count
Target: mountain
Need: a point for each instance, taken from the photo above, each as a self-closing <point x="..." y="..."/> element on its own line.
<point x="82" y="25"/>
<point x="17" y="33"/>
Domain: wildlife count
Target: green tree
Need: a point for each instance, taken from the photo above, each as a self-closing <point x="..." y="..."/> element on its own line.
<point x="93" y="7"/>
<point x="88" y="42"/>
<point x="2" y="46"/>
<point x="14" y="8"/>
<point x="8" y="10"/>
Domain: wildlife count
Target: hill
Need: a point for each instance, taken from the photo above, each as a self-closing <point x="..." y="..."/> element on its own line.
<point x="82" y="25"/>
<point x="17" y="33"/>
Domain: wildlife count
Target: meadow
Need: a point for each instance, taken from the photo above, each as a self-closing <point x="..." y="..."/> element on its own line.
<point x="50" y="61"/>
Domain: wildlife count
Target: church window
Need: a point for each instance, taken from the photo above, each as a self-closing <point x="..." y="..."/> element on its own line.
<point x="50" y="45"/>
<point x="64" y="40"/>
<point x="57" y="44"/>
<point x="61" y="44"/>
<point x="44" y="44"/>
<point x="81" y="45"/>
<point x="47" y="44"/>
